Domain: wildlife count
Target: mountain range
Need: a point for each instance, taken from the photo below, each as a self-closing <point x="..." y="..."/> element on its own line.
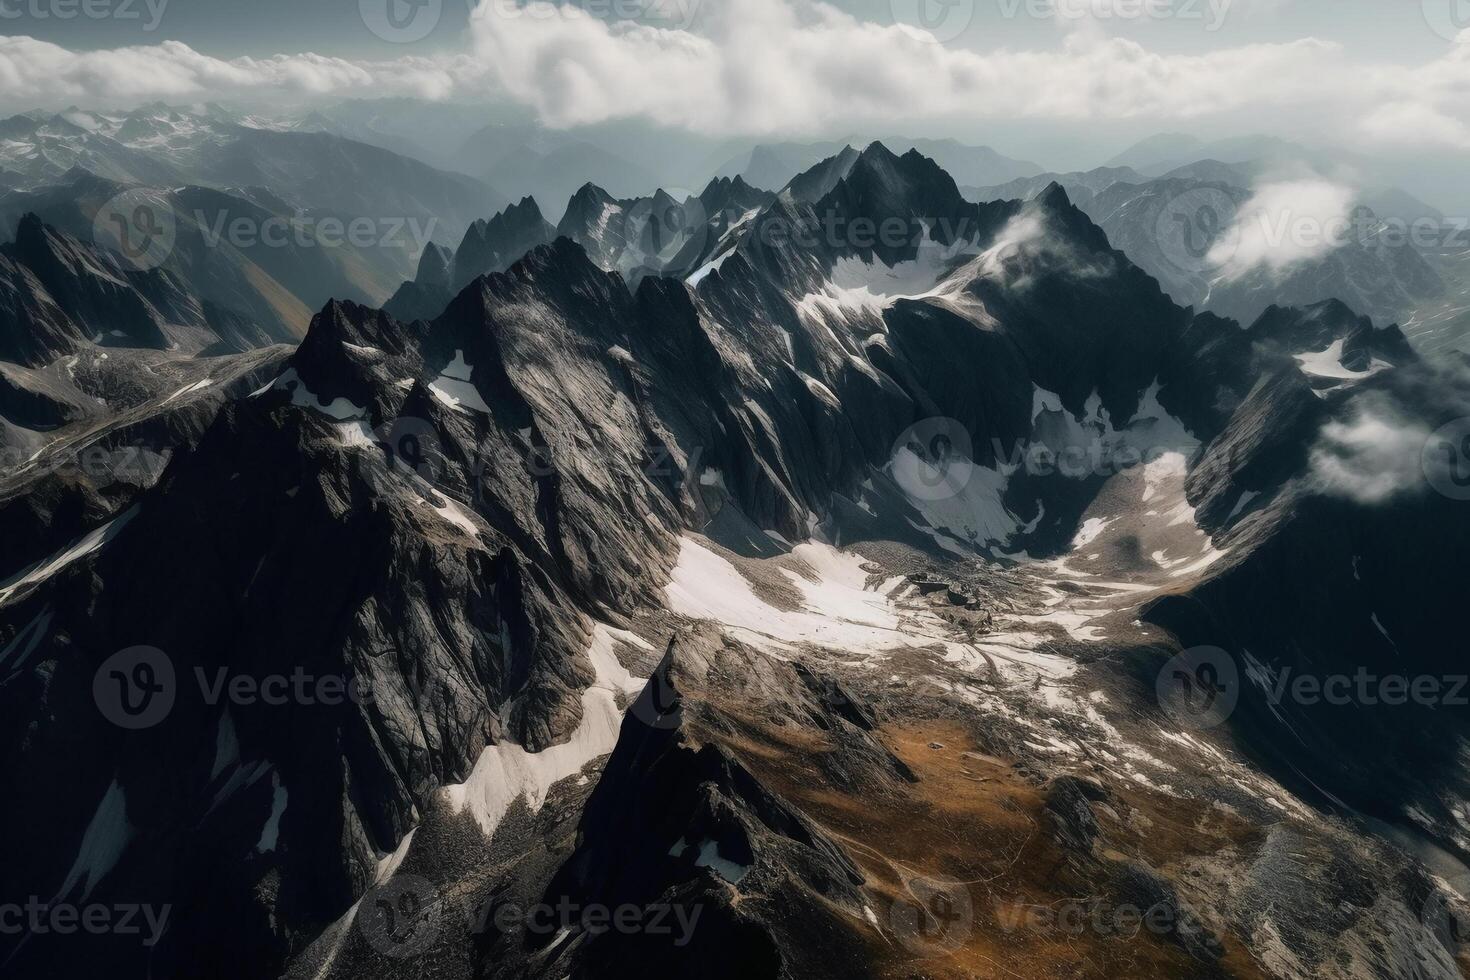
<point x="1401" y="260"/>
<point x="801" y="579"/>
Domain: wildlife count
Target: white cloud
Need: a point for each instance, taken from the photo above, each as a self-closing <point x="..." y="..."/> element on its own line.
<point x="1374" y="456"/>
<point x="41" y="73"/>
<point x="1284" y="223"/>
<point x="766" y="67"/>
<point x="1415" y="125"/>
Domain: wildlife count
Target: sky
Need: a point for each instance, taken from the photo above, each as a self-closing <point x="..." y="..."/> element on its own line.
<point x="1392" y="29"/>
<point x="1054" y="79"/>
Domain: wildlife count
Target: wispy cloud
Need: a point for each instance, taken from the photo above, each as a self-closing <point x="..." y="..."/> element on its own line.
<point x="1284" y="223"/>
<point x="1373" y="456"/>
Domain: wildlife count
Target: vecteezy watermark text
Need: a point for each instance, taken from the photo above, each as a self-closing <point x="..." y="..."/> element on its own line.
<point x="1202" y="686"/>
<point x="675" y="14"/>
<point x="674" y="920"/>
<point x="1100" y="917"/>
<point x="1364" y="687"/>
<point x="409" y="21"/>
<point x="404" y="916"/>
<point x="38" y="917"/>
<point x="1211" y="13"/>
<point x="303" y="231"/>
<point x="44" y="10"/>
<point x="136" y="463"/>
<point x="836" y="230"/>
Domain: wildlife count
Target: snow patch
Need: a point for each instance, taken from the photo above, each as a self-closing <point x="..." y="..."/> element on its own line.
<point x="270" y="833"/>
<point x="1328" y="364"/>
<point x="859" y="285"/>
<point x="506" y="772"/>
<point x="196" y="386"/>
<point x="956" y="495"/>
<point x="103" y="843"/>
<point x="838" y="611"/>
<point x="709" y="857"/>
<point x="453" y="388"/>
<point x="338" y="408"/>
<point x="1090" y="531"/>
<point x="88" y="544"/>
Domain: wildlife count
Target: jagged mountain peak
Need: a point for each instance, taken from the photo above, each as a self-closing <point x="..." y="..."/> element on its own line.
<point x="436" y="265"/>
<point x="520" y="213"/>
<point x="1054" y="195"/>
<point x="589" y="195"/>
<point x="877" y="152"/>
<point x="813" y="184"/>
<point x="526" y="208"/>
<point x="492" y="245"/>
<point x="80" y="177"/>
<point x="62" y="292"/>
<point x="908" y="185"/>
<point x="352" y="361"/>
<point x="561" y="262"/>
<point x="556" y="264"/>
<point x="515" y="220"/>
<point x="733" y="194"/>
<point x="344" y="321"/>
<point x="588" y="210"/>
<point x="30" y="227"/>
<point x="1067" y="219"/>
<point x="45" y="248"/>
<point x="1332" y="343"/>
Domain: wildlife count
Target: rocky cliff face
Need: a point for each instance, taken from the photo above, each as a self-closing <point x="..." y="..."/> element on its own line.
<point x="57" y="289"/>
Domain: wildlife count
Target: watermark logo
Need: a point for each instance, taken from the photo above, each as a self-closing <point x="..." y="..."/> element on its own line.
<point x="940" y="21"/>
<point x="1200" y="687"/>
<point x="1447" y="18"/>
<point x="935" y="917"/>
<point x="661" y="229"/>
<point x="138" y="227"/>
<point x="138" y="687"/>
<point x="1446" y="459"/>
<point x="401" y="21"/>
<point x="1197" y="230"/>
<point x="135" y="688"/>
<point x="932" y="459"/>
<point x="412" y="443"/>
<point x="402" y="917"/>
